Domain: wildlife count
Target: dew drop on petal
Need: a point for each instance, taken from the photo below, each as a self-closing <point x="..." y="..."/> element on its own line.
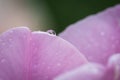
<point x="51" y="32"/>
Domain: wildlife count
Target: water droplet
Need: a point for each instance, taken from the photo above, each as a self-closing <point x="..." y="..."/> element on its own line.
<point x="51" y="32"/>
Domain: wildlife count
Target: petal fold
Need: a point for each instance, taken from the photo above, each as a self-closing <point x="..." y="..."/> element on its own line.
<point x="113" y="69"/>
<point x="90" y="71"/>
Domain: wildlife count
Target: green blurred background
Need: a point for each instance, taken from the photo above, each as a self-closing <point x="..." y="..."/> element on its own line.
<point x="66" y="12"/>
<point x="48" y="14"/>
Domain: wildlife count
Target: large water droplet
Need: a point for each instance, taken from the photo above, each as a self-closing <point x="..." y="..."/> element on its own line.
<point x="51" y="32"/>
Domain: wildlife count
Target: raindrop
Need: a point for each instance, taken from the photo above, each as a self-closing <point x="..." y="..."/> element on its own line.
<point x="51" y="32"/>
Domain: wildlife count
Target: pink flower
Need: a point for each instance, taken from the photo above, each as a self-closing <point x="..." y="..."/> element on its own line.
<point x="26" y="55"/>
<point x="98" y="38"/>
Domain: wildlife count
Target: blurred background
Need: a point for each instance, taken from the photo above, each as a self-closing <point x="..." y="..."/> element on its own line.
<point x="48" y="14"/>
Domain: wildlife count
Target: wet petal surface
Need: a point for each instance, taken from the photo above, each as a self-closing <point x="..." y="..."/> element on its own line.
<point x="13" y="46"/>
<point x="35" y="56"/>
<point x="97" y="36"/>
<point x="53" y="56"/>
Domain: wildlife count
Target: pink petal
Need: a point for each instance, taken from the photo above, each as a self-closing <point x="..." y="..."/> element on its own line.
<point x="113" y="70"/>
<point x="97" y="36"/>
<point x="86" y="72"/>
<point x="53" y="56"/>
<point x="13" y="46"/>
<point x="35" y="56"/>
